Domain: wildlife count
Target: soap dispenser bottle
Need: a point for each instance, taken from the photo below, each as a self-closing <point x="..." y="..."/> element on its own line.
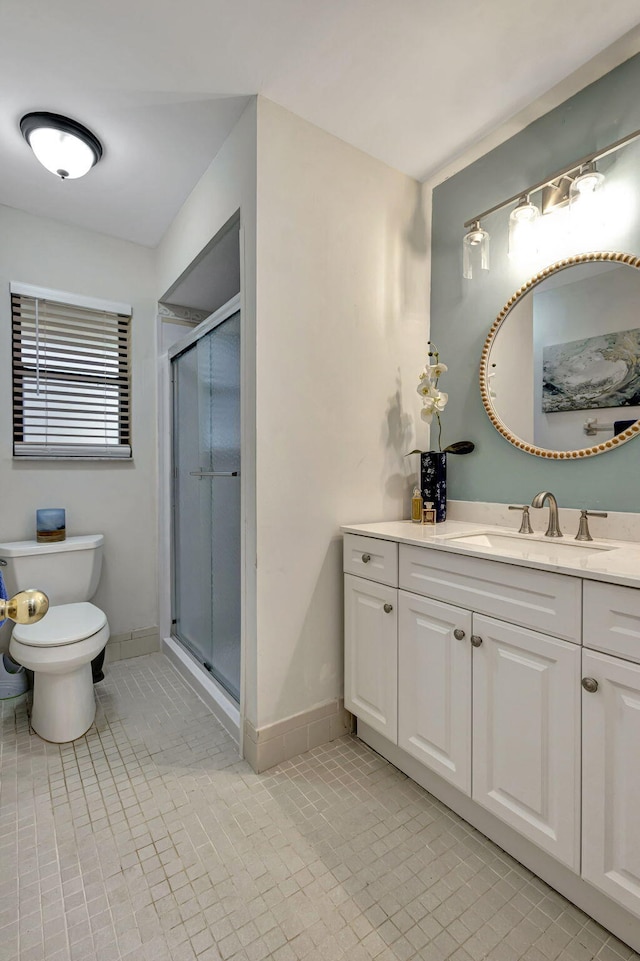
<point x="416" y="506"/>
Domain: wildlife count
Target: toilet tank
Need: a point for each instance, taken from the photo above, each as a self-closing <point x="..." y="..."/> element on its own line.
<point x="67" y="571"/>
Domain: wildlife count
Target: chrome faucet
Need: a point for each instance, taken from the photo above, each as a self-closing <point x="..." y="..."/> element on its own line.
<point x="553" y="530"/>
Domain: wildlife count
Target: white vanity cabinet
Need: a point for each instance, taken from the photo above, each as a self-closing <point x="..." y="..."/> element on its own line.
<point x="511" y="692"/>
<point x="414" y="679"/>
<point x="434" y="686"/>
<point x="371" y="632"/>
<point x="611" y="742"/>
<point x="526" y="734"/>
<point x="611" y="778"/>
<point x="371" y="654"/>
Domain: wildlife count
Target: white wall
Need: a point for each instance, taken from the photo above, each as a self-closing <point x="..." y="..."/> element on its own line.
<point x="228" y="185"/>
<point x="334" y="281"/>
<point x="342" y="304"/>
<point x="117" y="499"/>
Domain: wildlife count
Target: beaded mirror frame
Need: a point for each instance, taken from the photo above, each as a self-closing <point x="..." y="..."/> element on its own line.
<point x="499" y="425"/>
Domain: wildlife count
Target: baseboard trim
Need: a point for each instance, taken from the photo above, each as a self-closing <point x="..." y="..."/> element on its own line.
<point x="273" y="743"/>
<point x="132" y="644"/>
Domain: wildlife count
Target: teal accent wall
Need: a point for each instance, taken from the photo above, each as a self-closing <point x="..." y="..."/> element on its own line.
<point x="463" y="311"/>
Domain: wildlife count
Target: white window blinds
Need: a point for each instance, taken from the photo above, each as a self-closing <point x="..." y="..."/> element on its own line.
<point x="71" y="377"/>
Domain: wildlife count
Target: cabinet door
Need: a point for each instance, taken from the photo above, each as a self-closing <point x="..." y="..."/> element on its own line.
<point x="434" y="686"/>
<point x="526" y="734"/>
<point x="611" y="778"/>
<point x="371" y="654"/>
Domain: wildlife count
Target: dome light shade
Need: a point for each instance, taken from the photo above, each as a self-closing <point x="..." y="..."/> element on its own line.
<point x="63" y="146"/>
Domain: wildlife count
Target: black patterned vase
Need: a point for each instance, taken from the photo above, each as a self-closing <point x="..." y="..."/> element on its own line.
<point x="433" y="481"/>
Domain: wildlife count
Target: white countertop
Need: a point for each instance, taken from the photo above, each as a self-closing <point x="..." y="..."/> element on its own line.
<point x="618" y="565"/>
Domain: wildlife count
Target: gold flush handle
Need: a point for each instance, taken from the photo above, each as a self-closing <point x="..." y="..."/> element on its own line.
<point x="27" y="607"/>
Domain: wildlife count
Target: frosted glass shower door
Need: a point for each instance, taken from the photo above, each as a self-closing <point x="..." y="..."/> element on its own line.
<point x="206" y="501"/>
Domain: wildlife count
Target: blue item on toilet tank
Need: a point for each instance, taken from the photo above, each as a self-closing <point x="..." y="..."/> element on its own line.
<point x="3" y="594"/>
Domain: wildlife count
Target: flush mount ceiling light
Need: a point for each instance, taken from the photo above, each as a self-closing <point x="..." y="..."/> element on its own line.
<point x="63" y="146"/>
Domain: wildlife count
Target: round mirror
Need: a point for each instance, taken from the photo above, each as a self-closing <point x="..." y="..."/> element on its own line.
<point x="560" y="369"/>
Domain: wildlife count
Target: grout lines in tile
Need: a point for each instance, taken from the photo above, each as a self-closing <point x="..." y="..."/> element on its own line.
<point x="150" y="840"/>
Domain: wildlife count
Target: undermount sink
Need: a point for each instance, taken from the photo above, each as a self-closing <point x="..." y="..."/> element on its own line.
<point x="526" y="546"/>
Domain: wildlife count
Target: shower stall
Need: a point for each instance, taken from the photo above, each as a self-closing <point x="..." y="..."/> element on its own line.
<point x="206" y="541"/>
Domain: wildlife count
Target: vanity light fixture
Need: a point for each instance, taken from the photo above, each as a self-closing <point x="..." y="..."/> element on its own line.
<point x="522" y="228"/>
<point x="475" y="249"/>
<point x="586" y="183"/>
<point x="577" y="181"/>
<point x="64" y="146"/>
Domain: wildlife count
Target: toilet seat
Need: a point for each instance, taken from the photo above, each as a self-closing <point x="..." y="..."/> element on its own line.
<point x="63" y="624"/>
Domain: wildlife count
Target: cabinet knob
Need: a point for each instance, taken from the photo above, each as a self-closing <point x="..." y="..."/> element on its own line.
<point x="458" y="634"/>
<point x="366" y="558"/>
<point x="388" y="608"/>
<point x="590" y="684"/>
<point x="476" y="640"/>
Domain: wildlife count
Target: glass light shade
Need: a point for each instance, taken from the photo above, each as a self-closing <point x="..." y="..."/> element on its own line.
<point x="475" y="251"/>
<point x="62" y="145"/>
<point x="62" y="153"/>
<point x="586" y="183"/>
<point x="523" y="232"/>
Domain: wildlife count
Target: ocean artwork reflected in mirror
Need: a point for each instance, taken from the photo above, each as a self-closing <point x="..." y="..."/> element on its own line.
<point x="593" y="372"/>
<point x="565" y="347"/>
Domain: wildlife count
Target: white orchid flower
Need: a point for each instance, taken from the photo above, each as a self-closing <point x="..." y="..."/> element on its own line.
<point x="435" y="399"/>
<point x="430" y="373"/>
<point x="441" y="401"/>
<point x="434" y="402"/>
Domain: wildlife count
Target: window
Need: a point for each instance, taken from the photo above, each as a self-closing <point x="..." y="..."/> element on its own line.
<point x="70" y="356"/>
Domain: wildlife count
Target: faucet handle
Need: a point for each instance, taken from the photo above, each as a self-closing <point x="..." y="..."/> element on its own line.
<point x="525" y="526"/>
<point x="583" y="527"/>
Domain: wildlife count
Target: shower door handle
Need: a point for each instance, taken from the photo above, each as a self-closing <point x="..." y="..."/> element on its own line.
<point x="214" y="473"/>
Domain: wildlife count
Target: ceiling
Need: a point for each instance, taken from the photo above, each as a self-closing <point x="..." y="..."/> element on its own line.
<point x="411" y="82"/>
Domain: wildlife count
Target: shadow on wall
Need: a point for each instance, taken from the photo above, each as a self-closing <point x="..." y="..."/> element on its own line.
<point x="417" y="235"/>
<point x="397" y="438"/>
<point x="406" y="246"/>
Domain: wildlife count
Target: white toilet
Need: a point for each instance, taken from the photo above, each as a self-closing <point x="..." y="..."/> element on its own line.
<point x="59" y="648"/>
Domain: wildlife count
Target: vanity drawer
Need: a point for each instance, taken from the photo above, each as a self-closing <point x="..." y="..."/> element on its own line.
<point x="371" y="557"/>
<point x="612" y="619"/>
<point x="540" y="600"/>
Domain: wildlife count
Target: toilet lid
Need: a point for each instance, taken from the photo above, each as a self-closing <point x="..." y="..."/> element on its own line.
<point x="63" y="624"/>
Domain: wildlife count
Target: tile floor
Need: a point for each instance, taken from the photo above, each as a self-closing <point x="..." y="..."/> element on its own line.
<point x="149" y="840"/>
